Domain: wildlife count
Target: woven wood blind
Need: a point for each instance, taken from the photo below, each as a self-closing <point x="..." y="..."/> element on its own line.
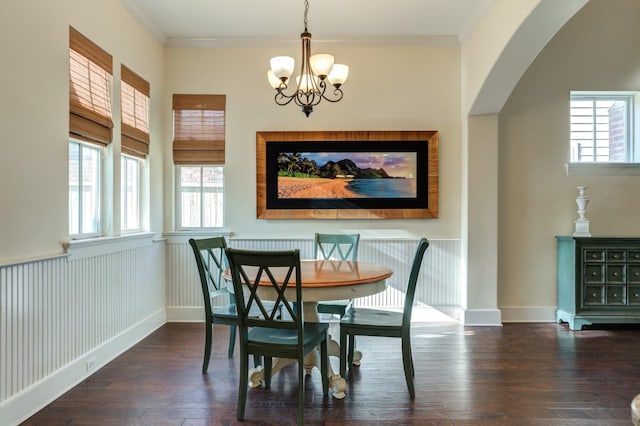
<point x="90" y="70"/>
<point x="135" y="92"/>
<point x="199" y="129"/>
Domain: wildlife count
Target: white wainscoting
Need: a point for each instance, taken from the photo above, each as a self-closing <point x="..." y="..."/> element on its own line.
<point x="438" y="286"/>
<point x="62" y="318"/>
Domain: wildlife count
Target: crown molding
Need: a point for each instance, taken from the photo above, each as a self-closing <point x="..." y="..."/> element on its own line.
<point x="265" y="41"/>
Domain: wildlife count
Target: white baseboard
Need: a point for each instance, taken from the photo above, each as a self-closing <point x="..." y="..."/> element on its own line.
<point x="528" y="313"/>
<point x="481" y="317"/>
<point x="23" y="405"/>
<point x="185" y="314"/>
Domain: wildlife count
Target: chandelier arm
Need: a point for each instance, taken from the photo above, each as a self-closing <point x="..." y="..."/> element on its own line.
<point x="337" y="92"/>
<point x="282" y="99"/>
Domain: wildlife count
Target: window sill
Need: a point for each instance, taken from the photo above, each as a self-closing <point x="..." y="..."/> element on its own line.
<point x="182" y="237"/>
<point x="602" y="169"/>
<point x="90" y="247"/>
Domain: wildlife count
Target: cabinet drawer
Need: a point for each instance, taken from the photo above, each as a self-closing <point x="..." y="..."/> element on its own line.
<point x="594" y="295"/>
<point x="634" y="274"/>
<point x="616" y="295"/>
<point x="616" y="273"/>
<point x="594" y="274"/>
<point x="594" y="255"/>
<point x="616" y="256"/>
<point x="634" y="295"/>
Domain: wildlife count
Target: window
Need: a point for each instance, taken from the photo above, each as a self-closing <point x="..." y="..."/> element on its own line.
<point x="134" y="95"/>
<point x="90" y="130"/>
<point x="130" y="194"/>
<point x="84" y="189"/>
<point x="200" y="194"/>
<point x="198" y="153"/>
<point x="601" y="127"/>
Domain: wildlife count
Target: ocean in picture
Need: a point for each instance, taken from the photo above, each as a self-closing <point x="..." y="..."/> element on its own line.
<point x="384" y="188"/>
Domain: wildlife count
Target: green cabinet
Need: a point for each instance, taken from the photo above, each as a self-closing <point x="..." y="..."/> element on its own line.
<point x="598" y="281"/>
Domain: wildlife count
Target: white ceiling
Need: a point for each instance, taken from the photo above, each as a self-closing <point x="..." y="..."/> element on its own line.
<point x="177" y="22"/>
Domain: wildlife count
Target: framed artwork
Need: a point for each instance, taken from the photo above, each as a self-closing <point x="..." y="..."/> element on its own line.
<point x="347" y="175"/>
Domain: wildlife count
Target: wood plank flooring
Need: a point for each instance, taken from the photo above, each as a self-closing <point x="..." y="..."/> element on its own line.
<point x="518" y="374"/>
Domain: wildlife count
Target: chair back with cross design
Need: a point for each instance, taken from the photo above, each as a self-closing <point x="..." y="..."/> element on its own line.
<point x="267" y="282"/>
<point x="336" y="246"/>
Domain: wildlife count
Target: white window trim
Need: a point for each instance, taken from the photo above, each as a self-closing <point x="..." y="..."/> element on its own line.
<point x="122" y="184"/>
<point x="602" y="169"/>
<point x="100" y="184"/>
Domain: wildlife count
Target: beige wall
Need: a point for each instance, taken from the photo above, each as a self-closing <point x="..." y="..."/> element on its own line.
<point x="34" y="107"/>
<point x="596" y="50"/>
<point x="389" y="88"/>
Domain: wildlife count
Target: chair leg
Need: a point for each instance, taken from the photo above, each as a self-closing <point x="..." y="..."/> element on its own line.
<point x="256" y="360"/>
<point x="324" y="365"/>
<point x="343" y="352"/>
<point x="268" y="363"/>
<point x="352" y="344"/>
<point x="352" y="341"/>
<point x="207" y="347"/>
<point x="301" y="372"/>
<point x="244" y="384"/>
<point x="232" y="339"/>
<point x="407" y="361"/>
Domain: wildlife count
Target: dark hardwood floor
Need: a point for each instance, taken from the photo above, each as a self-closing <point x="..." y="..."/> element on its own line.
<point x="518" y="374"/>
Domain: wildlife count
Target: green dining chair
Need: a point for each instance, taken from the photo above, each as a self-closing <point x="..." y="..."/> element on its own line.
<point x="211" y="260"/>
<point x="279" y="275"/>
<point x="374" y="322"/>
<point x="339" y="247"/>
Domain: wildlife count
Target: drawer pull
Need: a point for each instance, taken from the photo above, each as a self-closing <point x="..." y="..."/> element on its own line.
<point x="636" y="274"/>
<point x="615" y="295"/>
<point x="594" y="295"/>
<point x="636" y="295"/>
<point x="594" y="256"/>
<point x="636" y="256"/>
<point x="615" y="274"/>
<point x="594" y="274"/>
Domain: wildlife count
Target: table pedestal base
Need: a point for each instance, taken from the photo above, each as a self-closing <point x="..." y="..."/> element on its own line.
<point x="337" y="384"/>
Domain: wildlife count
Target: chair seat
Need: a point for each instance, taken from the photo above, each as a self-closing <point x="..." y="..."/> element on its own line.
<point x="227" y="311"/>
<point x="362" y="317"/>
<point x="230" y="312"/>
<point x="336" y="307"/>
<point x="280" y="336"/>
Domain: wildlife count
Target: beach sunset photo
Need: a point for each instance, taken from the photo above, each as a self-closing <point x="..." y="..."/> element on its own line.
<point x="326" y="175"/>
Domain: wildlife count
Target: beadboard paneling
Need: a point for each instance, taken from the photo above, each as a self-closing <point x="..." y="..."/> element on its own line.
<point x="438" y="286"/>
<point x="55" y="311"/>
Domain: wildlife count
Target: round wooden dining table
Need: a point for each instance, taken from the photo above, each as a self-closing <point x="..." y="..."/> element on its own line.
<point x="324" y="280"/>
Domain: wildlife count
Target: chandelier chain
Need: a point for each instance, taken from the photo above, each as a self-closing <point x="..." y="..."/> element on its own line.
<point x="306" y="10"/>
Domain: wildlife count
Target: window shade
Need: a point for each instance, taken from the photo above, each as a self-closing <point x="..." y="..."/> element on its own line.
<point x="90" y="70"/>
<point x="135" y="92"/>
<point x="199" y="129"/>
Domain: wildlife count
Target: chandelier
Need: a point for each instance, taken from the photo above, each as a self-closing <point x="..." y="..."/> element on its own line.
<point x="316" y="71"/>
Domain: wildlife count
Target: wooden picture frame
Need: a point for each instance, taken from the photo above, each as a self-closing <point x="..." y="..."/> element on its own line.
<point x="383" y="175"/>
